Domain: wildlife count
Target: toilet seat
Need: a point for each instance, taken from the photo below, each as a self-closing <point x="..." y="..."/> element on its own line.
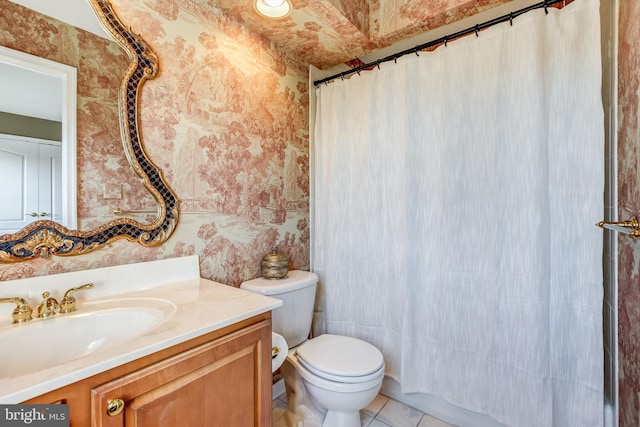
<point x="334" y="386"/>
<point x="341" y="359"/>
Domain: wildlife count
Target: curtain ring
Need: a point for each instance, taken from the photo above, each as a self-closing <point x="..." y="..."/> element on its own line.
<point x="476" y="30"/>
<point x="445" y="40"/>
<point x="511" y="18"/>
<point x="546" y="10"/>
<point x="416" y="52"/>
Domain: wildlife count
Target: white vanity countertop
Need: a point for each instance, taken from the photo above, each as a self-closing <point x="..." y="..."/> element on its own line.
<point x="202" y="306"/>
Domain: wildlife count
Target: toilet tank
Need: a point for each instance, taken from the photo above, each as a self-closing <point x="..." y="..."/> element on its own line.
<point x="297" y="291"/>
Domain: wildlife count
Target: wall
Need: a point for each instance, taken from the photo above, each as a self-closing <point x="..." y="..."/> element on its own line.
<point x="33" y="127"/>
<point x="226" y="120"/>
<point x="629" y="205"/>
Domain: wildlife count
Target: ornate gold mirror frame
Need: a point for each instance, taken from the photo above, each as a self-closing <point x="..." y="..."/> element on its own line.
<point x="43" y="238"/>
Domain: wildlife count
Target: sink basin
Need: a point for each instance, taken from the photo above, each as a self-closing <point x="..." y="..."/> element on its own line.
<point x="45" y="343"/>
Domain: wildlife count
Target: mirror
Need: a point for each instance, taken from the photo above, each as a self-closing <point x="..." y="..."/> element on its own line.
<point x="44" y="237"/>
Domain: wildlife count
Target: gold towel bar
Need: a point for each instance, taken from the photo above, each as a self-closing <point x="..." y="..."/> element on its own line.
<point x="118" y="211"/>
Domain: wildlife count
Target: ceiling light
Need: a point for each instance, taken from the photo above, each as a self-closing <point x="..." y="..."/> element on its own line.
<point x="274" y="9"/>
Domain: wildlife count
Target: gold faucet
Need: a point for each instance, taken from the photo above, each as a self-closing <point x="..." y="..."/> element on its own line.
<point x="68" y="301"/>
<point x="22" y="312"/>
<point x="48" y="306"/>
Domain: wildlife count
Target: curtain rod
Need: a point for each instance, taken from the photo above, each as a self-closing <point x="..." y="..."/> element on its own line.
<point x="475" y="29"/>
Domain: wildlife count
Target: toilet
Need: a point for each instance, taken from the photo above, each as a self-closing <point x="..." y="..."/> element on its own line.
<point x="329" y="378"/>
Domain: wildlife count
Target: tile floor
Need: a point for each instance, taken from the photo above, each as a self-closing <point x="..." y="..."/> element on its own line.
<point x="382" y="412"/>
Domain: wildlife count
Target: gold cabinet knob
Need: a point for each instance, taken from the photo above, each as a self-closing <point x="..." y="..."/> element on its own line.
<point x="114" y="407"/>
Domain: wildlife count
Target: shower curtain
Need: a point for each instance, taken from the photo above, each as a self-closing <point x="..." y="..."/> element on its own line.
<point x="455" y="200"/>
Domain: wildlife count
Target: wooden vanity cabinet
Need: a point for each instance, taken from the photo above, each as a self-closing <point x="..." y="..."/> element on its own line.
<point x="221" y="379"/>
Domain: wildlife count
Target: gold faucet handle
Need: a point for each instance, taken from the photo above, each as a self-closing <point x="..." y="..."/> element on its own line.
<point x="22" y="312"/>
<point x="48" y="306"/>
<point x="68" y="301"/>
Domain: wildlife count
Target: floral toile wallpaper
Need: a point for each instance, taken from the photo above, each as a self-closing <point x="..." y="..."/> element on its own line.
<point x="226" y="120"/>
<point x="628" y="206"/>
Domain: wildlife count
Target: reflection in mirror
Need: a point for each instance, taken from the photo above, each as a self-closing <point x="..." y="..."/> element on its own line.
<point x="68" y="32"/>
<point x="98" y="195"/>
<point x="37" y="141"/>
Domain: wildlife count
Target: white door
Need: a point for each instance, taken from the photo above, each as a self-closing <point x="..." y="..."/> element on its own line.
<point x="31" y="184"/>
<point x="50" y="182"/>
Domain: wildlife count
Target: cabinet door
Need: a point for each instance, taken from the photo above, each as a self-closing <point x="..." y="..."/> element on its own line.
<point x="223" y="383"/>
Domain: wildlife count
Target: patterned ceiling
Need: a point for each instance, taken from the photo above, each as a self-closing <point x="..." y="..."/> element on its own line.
<point x="325" y="33"/>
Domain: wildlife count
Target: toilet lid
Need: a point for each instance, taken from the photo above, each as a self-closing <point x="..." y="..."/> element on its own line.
<point x="340" y="356"/>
